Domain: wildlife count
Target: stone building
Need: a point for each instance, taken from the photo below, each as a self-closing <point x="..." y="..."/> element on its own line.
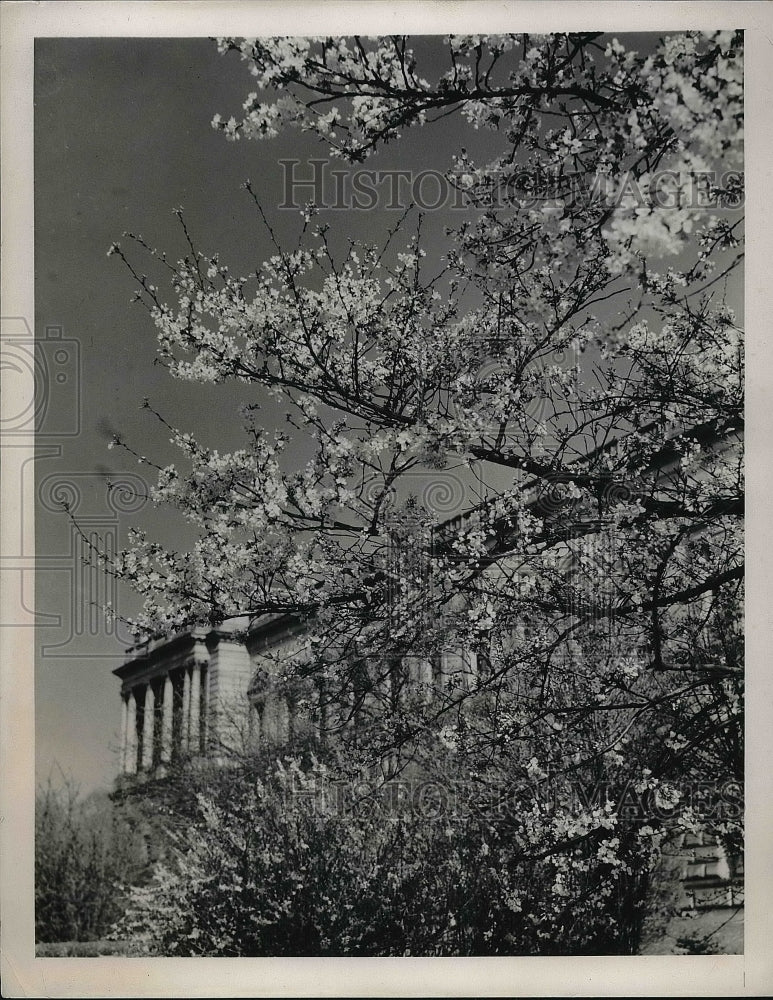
<point x="171" y="688"/>
<point x="194" y="694"/>
<point x="183" y="695"/>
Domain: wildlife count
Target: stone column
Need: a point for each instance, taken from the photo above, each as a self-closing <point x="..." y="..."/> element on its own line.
<point x="124" y="731"/>
<point x="253" y="724"/>
<point x="167" y="703"/>
<point x="436" y="664"/>
<point x="204" y="719"/>
<point x="282" y="720"/>
<point x="184" y="728"/>
<point x="471" y="661"/>
<point x="130" y="764"/>
<point x="397" y="679"/>
<point x="194" y="738"/>
<point x="323" y="710"/>
<point x="424" y="678"/>
<point x="268" y="716"/>
<point x="149" y="717"/>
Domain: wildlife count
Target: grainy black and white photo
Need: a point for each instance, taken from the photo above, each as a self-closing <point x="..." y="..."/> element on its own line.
<point x="389" y="483"/>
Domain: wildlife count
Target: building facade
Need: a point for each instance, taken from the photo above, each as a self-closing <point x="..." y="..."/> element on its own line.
<point x="185" y="697"/>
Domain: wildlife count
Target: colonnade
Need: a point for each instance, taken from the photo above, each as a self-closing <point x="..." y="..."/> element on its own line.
<point x="164" y="718"/>
<point x="166" y="712"/>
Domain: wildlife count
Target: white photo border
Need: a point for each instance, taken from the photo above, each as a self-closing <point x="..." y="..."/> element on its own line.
<point x="24" y="975"/>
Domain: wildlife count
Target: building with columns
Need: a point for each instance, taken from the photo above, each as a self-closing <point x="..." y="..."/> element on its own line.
<point x="171" y="688"/>
<point x="180" y="695"/>
<point x="193" y="694"/>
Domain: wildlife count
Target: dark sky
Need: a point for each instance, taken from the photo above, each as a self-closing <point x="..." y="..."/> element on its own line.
<point x="122" y="137"/>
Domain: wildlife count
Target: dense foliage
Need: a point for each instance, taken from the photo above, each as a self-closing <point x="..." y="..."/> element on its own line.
<point x="86" y="856"/>
<point x="302" y="861"/>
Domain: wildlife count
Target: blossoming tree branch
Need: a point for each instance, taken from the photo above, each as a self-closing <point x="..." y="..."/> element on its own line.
<point x="569" y="356"/>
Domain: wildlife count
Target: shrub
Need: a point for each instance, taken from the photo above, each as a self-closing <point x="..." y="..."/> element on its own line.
<point x="291" y="865"/>
<point x="85" y="854"/>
